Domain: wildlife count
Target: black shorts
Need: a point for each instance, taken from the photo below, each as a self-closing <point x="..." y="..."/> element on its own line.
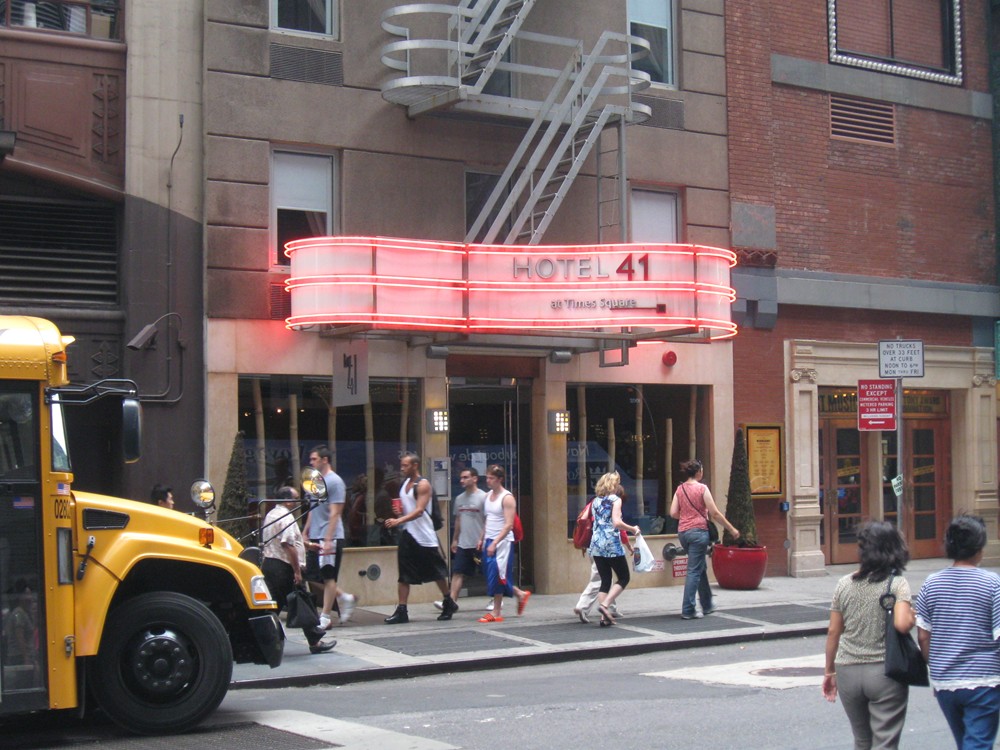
<point x="327" y="572"/>
<point x="419" y="564"/>
<point x="463" y="562"/>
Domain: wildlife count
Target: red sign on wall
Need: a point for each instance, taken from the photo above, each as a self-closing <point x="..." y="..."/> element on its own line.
<point x="876" y="405"/>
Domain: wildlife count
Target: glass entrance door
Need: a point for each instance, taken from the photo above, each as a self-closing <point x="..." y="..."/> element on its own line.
<point x="927" y="502"/>
<point x="490" y="423"/>
<point x="843" y="500"/>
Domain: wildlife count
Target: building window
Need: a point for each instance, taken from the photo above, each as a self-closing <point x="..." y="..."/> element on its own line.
<point x="307" y="16"/>
<point x="301" y="199"/>
<point x="366" y="448"/>
<point x="98" y="18"/>
<point x="654" y="216"/>
<point x="630" y="429"/>
<point x="653" y="20"/>
<point x="901" y="37"/>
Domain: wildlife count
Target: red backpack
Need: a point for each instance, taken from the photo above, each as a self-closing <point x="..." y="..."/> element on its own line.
<point x="584" y="530"/>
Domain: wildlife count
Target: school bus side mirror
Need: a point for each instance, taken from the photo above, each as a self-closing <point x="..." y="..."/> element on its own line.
<point x="131" y="430"/>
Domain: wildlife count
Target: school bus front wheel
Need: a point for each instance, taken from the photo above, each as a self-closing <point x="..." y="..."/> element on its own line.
<point x="164" y="664"/>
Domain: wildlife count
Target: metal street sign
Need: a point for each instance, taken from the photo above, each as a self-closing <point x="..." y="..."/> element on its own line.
<point x="901" y="358"/>
<point x="876" y="405"/>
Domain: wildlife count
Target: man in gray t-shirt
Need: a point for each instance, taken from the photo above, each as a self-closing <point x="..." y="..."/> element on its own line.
<point x="468" y="534"/>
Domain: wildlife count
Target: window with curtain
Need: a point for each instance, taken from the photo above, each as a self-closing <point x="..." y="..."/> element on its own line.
<point x="653" y="20"/>
<point x="307" y="16"/>
<point x="302" y="189"/>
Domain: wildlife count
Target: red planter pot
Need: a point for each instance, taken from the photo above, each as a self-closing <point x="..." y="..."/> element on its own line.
<point x="739" y="567"/>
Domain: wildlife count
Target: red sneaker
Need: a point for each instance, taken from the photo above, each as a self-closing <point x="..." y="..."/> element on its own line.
<point x="523" y="602"/>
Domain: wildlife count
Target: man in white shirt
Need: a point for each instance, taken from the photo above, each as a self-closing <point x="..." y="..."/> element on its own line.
<point x="417" y="556"/>
<point x="283" y="559"/>
<point x="326" y="539"/>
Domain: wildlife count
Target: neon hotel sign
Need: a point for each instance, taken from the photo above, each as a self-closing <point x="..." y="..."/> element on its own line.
<point x="388" y="283"/>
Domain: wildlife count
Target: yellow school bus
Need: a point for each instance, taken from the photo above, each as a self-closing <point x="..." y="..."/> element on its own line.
<point x="141" y="608"/>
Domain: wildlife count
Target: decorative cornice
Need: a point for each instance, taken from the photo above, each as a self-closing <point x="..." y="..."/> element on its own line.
<point x="981" y="380"/>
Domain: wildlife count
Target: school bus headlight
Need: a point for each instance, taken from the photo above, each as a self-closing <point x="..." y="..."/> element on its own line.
<point x="206" y="536"/>
<point x="261" y="594"/>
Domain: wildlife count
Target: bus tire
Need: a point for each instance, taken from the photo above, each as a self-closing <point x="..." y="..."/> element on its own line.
<point x="165" y="664"/>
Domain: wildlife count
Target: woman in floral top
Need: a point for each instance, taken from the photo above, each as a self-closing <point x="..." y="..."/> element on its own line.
<point x="606" y="544"/>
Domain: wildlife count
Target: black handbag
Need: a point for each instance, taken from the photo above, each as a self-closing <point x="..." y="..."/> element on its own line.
<point x="903" y="661"/>
<point x="301" y="610"/>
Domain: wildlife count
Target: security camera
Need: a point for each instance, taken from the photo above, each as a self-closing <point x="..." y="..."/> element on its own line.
<point x="144" y="339"/>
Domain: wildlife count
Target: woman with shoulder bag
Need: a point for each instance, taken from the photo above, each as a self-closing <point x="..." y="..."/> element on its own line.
<point x="606" y="545"/>
<point x="692" y="505"/>
<point x="855" y="644"/>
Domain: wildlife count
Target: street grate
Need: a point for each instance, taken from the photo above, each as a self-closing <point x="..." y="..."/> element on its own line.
<point x="450" y="642"/>
<point x="673" y="623"/>
<point x="784" y="614"/>
<point x="574" y="632"/>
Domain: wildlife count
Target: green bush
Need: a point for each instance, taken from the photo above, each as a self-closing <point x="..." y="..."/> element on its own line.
<point x="739" y="501"/>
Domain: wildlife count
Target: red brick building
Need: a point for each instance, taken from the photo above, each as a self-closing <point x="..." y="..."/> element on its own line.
<point x="861" y="178"/>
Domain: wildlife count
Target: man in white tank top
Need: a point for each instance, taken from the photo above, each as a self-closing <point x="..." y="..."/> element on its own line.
<point x="418" y="555"/>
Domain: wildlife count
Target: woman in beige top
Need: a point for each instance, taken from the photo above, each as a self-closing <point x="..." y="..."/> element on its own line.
<point x="855" y="643"/>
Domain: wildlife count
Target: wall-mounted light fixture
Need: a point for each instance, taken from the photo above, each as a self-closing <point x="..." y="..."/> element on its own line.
<point x="436" y="420"/>
<point x="560" y="356"/>
<point x="558" y="422"/>
<point x="436" y="351"/>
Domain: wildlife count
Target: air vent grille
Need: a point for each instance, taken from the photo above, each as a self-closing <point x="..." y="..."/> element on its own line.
<point x="307" y="65"/>
<point x="281" y="302"/>
<point x="58" y="252"/>
<point x="862" y="120"/>
<point x="95" y="520"/>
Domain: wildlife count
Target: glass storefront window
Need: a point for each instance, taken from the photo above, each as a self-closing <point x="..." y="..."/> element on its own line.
<point x="367" y="441"/>
<point x="630" y="428"/>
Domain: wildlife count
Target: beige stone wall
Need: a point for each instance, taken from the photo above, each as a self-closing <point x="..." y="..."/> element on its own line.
<point x="965" y="373"/>
<point x="164" y="82"/>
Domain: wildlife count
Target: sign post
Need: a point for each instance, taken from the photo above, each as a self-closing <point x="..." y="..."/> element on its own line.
<point x="900" y="358"/>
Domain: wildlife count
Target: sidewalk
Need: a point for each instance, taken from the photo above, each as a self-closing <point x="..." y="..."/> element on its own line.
<point x="368" y="649"/>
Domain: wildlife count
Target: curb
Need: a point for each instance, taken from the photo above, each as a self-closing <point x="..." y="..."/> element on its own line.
<point x="373" y="674"/>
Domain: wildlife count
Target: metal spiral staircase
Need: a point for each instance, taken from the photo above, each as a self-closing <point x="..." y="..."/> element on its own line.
<point x="465" y="47"/>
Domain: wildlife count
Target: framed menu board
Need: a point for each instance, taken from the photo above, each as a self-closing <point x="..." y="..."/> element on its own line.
<point x="765" y="451"/>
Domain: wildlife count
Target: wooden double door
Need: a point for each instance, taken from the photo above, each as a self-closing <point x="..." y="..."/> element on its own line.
<point x="856" y="471"/>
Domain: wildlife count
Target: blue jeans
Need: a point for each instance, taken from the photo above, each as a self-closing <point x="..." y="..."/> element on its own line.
<point x="972" y="715"/>
<point x="695" y="543"/>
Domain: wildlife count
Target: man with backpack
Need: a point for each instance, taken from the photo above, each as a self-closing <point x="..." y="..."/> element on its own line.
<point x="418" y="555"/>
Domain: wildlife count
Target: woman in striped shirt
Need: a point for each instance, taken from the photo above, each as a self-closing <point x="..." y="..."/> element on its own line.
<point x="958" y="624"/>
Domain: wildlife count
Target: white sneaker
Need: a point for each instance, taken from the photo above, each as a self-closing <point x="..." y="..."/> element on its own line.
<point x="325" y="623"/>
<point x="489" y="605"/>
<point x="582" y="614"/>
<point x="439" y="605"/>
<point x="346" y="604"/>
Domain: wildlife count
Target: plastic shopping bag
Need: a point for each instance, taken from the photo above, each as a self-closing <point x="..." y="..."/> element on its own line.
<point x="642" y="557"/>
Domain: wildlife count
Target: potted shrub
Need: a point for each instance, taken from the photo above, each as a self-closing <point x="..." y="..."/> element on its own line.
<point x="740" y="563"/>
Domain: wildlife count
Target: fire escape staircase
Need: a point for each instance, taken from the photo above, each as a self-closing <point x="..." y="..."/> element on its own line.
<point x="588" y="105"/>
